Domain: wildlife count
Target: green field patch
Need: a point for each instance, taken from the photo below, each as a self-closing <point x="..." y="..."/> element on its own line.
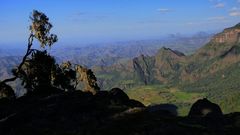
<point x="161" y="94"/>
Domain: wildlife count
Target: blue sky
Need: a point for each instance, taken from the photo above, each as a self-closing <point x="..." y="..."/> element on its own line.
<point x="79" y="21"/>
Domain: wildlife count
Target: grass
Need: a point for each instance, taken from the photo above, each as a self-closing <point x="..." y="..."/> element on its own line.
<point x="161" y="94"/>
<point x="223" y="90"/>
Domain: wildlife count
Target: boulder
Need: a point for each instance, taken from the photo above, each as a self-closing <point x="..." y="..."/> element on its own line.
<point x="6" y="92"/>
<point x="205" y="108"/>
<point x="118" y="96"/>
<point x="207" y="114"/>
<point x="135" y="103"/>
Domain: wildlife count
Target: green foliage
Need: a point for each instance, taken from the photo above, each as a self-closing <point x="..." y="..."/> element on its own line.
<point x="40" y="29"/>
<point x="64" y="76"/>
<point x="221" y="87"/>
<point x="37" y="70"/>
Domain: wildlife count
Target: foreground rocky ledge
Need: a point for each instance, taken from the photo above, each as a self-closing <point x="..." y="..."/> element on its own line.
<point x="108" y="113"/>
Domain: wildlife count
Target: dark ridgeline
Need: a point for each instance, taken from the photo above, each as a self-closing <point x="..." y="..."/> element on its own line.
<point x="53" y="105"/>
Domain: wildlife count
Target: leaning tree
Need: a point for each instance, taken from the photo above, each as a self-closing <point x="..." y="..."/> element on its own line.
<point x="38" y="69"/>
<point x="40" y="30"/>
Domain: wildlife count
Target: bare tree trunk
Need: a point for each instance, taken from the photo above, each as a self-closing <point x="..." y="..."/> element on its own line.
<point x="30" y="40"/>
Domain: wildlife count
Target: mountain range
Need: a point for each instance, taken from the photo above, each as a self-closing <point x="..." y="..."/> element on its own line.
<point x="213" y="70"/>
<point x="173" y="66"/>
<point x="104" y="54"/>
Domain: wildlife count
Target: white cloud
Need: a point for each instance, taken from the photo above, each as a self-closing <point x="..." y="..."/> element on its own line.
<point x="234" y="13"/>
<point x="164" y="10"/>
<point x="219" y="5"/>
<point x="234" y="9"/>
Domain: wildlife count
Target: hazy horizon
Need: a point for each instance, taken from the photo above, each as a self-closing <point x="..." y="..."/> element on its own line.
<point x="111" y="21"/>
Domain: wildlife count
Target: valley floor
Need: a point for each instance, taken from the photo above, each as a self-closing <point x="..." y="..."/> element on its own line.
<point x="163" y="94"/>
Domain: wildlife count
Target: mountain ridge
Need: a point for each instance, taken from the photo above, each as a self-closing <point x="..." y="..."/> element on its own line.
<point x="169" y="66"/>
<point x="211" y="72"/>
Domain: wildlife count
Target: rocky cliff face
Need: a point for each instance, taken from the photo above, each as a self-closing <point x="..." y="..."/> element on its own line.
<point x="229" y="35"/>
<point x="219" y="44"/>
<point x="219" y="54"/>
<point x="158" y="68"/>
<point x="143" y="68"/>
<point x="167" y="63"/>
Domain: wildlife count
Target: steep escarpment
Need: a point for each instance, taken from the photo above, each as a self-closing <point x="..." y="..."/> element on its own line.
<point x="169" y="66"/>
<point x="220" y="53"/>
<point x="229" y="35"/>
<point x="142" y="66"/>
<point x="220" y="43"/>
<point x="143" y="70"/>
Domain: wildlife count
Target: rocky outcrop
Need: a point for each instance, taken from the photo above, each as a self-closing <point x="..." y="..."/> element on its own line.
<point x="167" y="64"/>
<point x="118" y="96"/>
<point x="159" y="68"/>
<point x="88" y="78"/>
<point x="208" y="114"/>
<point x="142" y="66"/>
<point x="229" y="35"/>
<point x="6" y="92"/>
<point x="84" y="113"/>
<point x="205" y="108"/>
